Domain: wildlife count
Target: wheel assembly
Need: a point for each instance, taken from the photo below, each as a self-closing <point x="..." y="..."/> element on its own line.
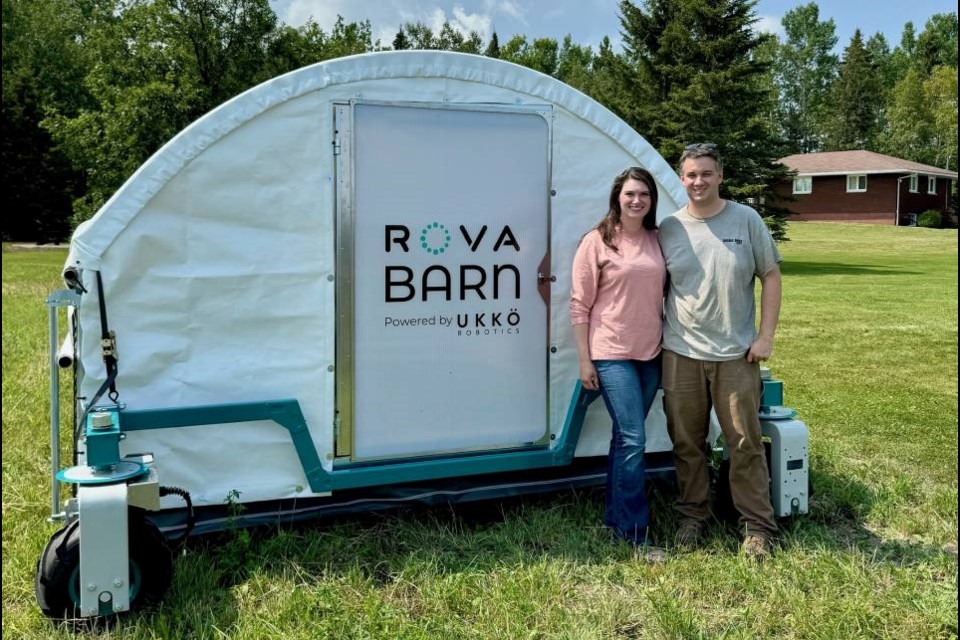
<point x="57" y="579"/>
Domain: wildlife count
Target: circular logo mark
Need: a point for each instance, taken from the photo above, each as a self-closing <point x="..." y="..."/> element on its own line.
<point x="434" y="238"/>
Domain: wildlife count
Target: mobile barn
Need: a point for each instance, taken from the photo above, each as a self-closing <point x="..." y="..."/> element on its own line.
<point x="349" y="279"/>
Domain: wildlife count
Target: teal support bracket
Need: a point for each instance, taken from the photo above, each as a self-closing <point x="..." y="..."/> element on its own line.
<point x="772" y="395"/>
<point x="103" y="438"/>
<point x="287" y="413"/>
<point x="573" y="424"/>
<point x="354" y="477"/>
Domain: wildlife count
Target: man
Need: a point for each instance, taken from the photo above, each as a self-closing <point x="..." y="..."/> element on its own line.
<point x="715" y="250"/>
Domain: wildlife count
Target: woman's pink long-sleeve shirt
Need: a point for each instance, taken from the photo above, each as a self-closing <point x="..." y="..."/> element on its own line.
<point x="620" y="295"/>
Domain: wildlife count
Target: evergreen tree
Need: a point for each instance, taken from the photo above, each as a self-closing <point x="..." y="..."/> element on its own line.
<point x="857" y="100"/>
<point x="493" y="47"/>
<point x="767" y="53"/>
<point x="903" y="55"/>
<point x="610" y="81"/>
<point x="697" y="78"/>
<point x="879" y="54"/>
<point x="400" y="42"/>
<point x="879" y="51"/>
<point x="574" y="64"/>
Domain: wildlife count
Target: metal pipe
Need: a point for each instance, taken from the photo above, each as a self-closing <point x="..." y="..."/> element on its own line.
<point x="896" y="219"/>
<point x="65" y="355"/>
<point x="54" y="415"/>
<point x="73" y="278"/>
<point x="57" y="299"/>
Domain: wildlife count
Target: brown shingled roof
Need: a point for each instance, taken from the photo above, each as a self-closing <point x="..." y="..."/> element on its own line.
<point x="840" y="162"/>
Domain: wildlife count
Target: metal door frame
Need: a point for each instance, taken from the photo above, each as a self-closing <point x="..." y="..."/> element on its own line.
<point x="345" y="225"/>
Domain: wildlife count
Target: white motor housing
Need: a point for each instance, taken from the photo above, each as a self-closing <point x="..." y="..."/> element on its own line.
<point x="789" y="466"/>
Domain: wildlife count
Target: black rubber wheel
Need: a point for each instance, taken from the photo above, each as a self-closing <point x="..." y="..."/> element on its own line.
<point x="57" y="579"/>
<point x="723" y="506"/>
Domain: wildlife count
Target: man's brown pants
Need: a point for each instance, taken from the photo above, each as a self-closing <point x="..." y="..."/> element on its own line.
<point x="733" y="387"/>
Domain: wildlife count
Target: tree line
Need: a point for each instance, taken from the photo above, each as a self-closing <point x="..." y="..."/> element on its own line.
<point x="91" y="88"/>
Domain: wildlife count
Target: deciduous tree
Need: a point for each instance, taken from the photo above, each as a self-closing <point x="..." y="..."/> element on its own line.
<point x="805" y="67"/>
<point x="941" y="93"/>
<point x="43" y="70"/>
<point x="909" y="132"/>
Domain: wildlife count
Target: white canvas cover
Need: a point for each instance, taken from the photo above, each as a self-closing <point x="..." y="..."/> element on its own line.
<point x="218" y="259"/>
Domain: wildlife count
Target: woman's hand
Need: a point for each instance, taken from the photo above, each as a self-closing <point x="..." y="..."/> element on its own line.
<point x="588" y="376"/>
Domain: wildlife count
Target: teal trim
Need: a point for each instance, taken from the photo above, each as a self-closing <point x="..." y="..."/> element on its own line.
<point x="561" y="454"/>
<point x="86" y="475"/>
<point x="287" y="413"/>
<point x="106" y="608"/>
<point x="573" y="424"/>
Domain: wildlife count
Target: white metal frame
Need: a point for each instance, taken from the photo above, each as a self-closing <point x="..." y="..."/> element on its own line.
<point x="104" y="549"/>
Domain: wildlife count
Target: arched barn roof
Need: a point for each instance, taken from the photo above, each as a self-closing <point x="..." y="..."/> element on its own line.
<point x="95" y="236"/>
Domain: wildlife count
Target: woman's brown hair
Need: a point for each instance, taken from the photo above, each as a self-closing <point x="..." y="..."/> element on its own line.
<point x="611" y="222"/>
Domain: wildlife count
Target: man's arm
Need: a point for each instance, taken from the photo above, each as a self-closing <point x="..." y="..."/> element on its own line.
<point x="771" y="290"/>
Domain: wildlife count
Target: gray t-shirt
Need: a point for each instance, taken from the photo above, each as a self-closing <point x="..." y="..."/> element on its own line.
<point x="712" y="265"/>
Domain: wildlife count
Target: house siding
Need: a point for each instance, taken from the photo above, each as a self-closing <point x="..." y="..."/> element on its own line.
<point x="830" y="201"/>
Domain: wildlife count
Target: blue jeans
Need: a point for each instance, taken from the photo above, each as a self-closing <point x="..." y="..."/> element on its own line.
<point x="628" y="388"/>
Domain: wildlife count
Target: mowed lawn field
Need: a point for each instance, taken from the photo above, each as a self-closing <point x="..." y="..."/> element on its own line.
<point x="867" y="349"/>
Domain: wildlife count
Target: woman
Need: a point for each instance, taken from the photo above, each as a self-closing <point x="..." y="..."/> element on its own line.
<point x="616" y="306"/>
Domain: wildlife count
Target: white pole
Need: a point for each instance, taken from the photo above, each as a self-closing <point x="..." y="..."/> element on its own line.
<point x="896" y="219"/>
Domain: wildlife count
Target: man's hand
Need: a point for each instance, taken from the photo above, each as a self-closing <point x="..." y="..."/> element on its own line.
<point x="760" y="350"/>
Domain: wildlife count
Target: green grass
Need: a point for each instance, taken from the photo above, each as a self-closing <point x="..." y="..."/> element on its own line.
<point x="867" y="348"/>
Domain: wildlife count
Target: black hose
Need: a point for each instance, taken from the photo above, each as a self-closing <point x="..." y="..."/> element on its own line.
<point x="191" y="522"/>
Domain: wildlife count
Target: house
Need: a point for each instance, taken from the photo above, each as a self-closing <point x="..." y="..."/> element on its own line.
<point x="863" y="186"/>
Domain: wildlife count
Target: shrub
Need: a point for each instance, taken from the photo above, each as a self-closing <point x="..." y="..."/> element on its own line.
<point x="931" y="219"/>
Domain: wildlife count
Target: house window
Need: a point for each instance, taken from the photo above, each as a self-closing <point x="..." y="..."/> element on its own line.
<point x="803" y="185"/>
<point x="932" y="185"/>
<point x="856" y="183"/>
<point x="914" y="183"/>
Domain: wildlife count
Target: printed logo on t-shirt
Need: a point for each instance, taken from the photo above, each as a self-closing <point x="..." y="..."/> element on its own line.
<point x="733" y="240"/>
